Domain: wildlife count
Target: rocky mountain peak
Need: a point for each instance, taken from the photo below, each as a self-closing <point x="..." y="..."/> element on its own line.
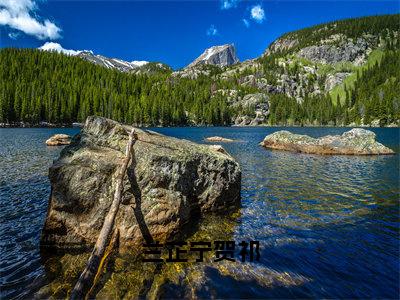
<point x="110" y="63"/>
<point x="224" y="55"/>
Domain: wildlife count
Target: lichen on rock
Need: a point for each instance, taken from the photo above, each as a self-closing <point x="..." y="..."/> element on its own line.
<point x="59" y="140"/>
<point x="170" y="183"/>
<point x="357" y="141"/>
<point x="218" y="139"/>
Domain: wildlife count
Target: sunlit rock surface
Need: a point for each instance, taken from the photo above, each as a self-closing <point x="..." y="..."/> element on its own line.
<point x="59" y="140"/>
<point x="357" y="141"/>
<point x="170" y="183"/>
<point x="224" y="55"/>
<point x="218" y="139"/>
<point x="218" y="148"/>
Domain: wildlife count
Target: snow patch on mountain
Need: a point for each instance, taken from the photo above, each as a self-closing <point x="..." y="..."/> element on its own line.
<point x="110" y="63"/>
<point x="139" y="63"/>
<point x="51" y="46"/>
<point x="224" y="55"/>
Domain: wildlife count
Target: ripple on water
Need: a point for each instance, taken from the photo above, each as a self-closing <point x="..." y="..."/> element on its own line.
<point x="328" y="225"/>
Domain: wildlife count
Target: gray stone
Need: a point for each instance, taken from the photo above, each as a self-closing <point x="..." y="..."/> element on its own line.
<point x="357" y="141"/>
<point x="242" y="120"/>
<point x="59" y="140"/>
<point x="333" y="80"/>
<point x="170" y="184"/>
<point x="218" y="148"/>
<point x="222" y="56"/>
<point x="349" y="51"/>
<point x="218" y="139"/>
<point x="192" y="73"/>
<point x="258" y="102"/>
<point x="281" y="44"/>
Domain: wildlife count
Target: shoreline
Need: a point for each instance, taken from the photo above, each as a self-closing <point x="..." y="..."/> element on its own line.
<point x="41" y="125"/>
<point x="80" y="125"/>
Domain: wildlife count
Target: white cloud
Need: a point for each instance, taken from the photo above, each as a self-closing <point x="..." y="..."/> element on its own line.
<point x="246" y="23"/>
<point x="50" y="46"/>
<point x="212" y="30"/>
<point x="227" y="4"/>
<point x="14" y="35"/>
<point x="257" y="13"/>
<point x="139" y="63"/>
<point x="20" y="15"/>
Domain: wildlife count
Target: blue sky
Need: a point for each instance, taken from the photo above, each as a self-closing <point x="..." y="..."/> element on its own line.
<point x="173" y="32"/>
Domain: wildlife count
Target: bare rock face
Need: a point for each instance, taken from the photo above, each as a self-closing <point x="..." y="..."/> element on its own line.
<point x="170" y="183"/>
<point x="221" y="56"/>
<point x="347" y="51"/>
<point x="193" y="73"/>
<point x="259" y="103"/>
<point x="59" y="140"/>
<point x="354" y="142"/>
<point x="281" y="44"/>
<point x="243" y="120"/>
<point x="333" y="80"/>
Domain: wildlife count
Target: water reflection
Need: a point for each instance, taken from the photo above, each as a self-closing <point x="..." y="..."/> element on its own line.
<point x="328" y="225"/>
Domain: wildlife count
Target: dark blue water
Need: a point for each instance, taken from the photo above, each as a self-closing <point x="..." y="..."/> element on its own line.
<point x="328" y="225"/>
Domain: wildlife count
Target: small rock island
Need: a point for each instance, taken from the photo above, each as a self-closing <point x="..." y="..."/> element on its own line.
<point x="170" y="183"/>
<point x="59" y="140"/>
<point x="218" y="139"/>
<point x="357" y="141"/>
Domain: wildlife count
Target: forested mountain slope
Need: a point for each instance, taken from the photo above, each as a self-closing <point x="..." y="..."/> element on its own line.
<point x="307" y="72"/>
<point x="37" y="86"/>
<point x="340" y="73"/>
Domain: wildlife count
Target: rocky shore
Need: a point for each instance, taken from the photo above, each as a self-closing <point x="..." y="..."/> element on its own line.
<point x="357" y="141"/>
<point x="170" y="183"/>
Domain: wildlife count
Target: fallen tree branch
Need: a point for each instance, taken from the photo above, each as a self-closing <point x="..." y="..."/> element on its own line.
<point x="111" y="247"/>
<point x="85" y="281"/>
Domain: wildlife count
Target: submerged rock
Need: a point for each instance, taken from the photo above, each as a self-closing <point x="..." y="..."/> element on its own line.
<point x="354" y="142"/>
<point x="218" y="139"/>
<point x="59" y="140"/>
<point x="170" y="183"/>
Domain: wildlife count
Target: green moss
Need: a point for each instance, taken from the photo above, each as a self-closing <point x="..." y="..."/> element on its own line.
<point x="63" y="272"/>
<point x="298" y="60"/>
<point x="339" y="90"/>
<point x="125" y="275"/>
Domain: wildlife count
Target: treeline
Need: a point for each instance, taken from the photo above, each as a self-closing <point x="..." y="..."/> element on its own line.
<point x="384" y="26"/>
<point x="285" y="110"/>
<point x="375" y="96"/>
<point x="40" y="86"/>
<point x="376" y="92"/>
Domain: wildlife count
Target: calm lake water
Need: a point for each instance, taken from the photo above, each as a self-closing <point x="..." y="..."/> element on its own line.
<point x="328" y="225"/>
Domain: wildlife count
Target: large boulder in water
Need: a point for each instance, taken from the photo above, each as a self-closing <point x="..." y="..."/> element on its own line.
<point x="357" y="141"/>
<point x="170" y="183"/>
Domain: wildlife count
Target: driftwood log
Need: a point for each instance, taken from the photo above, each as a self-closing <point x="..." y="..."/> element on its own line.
<point x="85" y="281"/>
<point x="174" y="181"/>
